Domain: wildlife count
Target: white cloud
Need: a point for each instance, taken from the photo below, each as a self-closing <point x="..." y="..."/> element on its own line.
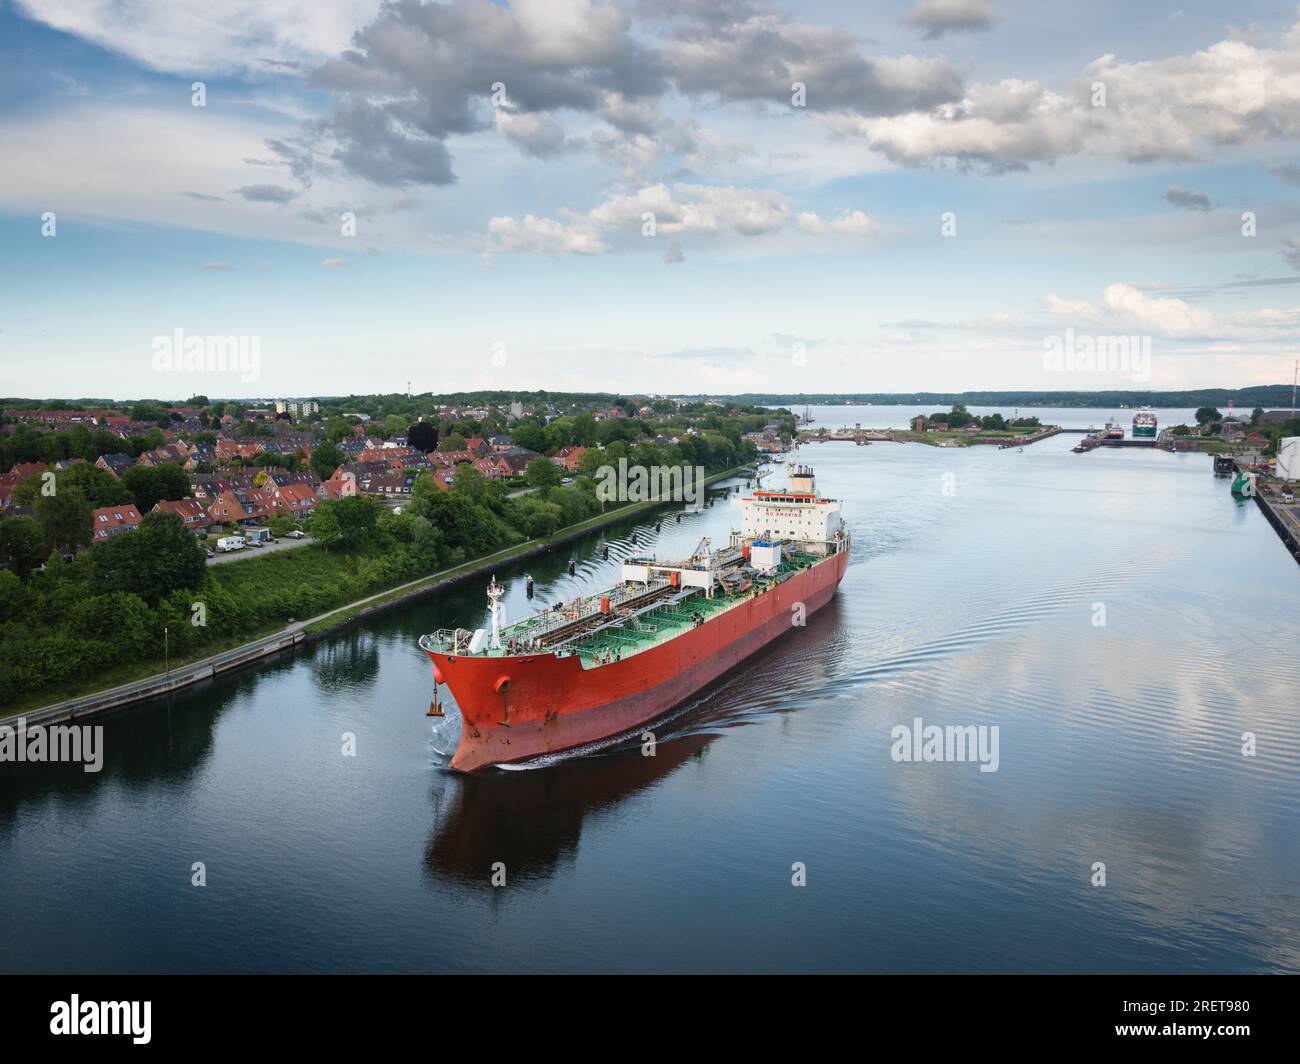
<point x="682" y="210"/>
<point x="1125" y="308"/>
<point x="201" y="38"/>
<point x="1173" y="108"/>
<point x="810" y="223"/>
<point x="847" y="223"/>
<point x="544" y="236"/>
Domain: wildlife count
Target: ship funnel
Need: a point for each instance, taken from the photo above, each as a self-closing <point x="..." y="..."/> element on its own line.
<point x="803" y="481"/>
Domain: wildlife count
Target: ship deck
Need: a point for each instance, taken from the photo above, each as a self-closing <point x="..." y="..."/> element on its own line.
<point x="641" y="616"/>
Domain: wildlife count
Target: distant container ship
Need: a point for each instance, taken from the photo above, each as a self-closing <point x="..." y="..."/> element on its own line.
<point x="1145" y="424"/>
<point x="603" y="665"/>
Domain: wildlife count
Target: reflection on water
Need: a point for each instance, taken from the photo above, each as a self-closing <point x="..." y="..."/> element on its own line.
<point x="530" y="820"/>
<point x="972" y="599"/>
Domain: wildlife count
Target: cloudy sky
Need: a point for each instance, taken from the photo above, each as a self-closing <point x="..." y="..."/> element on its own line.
<point x="663" y="195"/>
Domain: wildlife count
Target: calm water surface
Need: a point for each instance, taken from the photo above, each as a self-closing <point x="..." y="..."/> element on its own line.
<point x="976" y="578"/>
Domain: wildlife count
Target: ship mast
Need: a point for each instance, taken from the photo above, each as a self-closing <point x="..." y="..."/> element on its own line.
<point x="494" y="593"/>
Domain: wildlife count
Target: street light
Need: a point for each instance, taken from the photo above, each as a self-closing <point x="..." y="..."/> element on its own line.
<point x="167" y="657"/>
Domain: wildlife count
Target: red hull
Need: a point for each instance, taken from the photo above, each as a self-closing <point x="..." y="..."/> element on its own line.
<point x="552" y="704"/>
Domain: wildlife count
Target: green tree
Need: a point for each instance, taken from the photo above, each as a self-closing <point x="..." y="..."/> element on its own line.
<point x="536" y="517"/>
<point x="325" y="459"/>
<point x="65" y="519"/>
<point x="173" y="483"/>
<point x="13" y="596"/>
<point x="358" y="516"/>
<point x="99" y="486"/>
<point x="144" y="485"/>
<point x="114" y="627"/>
<point x="346" y="522"/>
<point x="542" y="473"/>
<point x="530" y="435"/>
<point x="22" y="545"/>
<point x="160" y="557"/>
<point x="1207" y="414"/>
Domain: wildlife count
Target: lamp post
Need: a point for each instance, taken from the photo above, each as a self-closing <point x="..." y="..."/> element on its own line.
<point x="167" y="657"/>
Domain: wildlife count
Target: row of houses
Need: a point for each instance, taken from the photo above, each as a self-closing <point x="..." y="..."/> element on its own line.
<point x="231" y="507"/>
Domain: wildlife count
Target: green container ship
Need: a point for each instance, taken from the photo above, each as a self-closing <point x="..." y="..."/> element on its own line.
<point x="1145" y="424"/>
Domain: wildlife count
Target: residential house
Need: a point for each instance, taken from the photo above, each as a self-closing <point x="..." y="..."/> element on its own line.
<point x="391" y="485"/>
<point x="168" y="454"/>
<point x="110" y="520"/>
<point x="192" y="514"/>
<point x="299" y="500"/>
<point x="569" y="458"/>
<point x="454" y="458"/>
<point x="117" y="464"/>
<point x="337" y="487"/>
<point x="27" y="469"/>
<point x="492" y="468"/>
<point x="200" y="455"/>
<point x="515" y="461"/>
<point x="228" y="509"/>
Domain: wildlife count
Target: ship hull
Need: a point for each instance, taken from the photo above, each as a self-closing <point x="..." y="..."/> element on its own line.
<point x="547" y="704"/>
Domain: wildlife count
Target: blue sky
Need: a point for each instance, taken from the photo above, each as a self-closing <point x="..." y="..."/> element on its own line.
<point x="794" y="248"/>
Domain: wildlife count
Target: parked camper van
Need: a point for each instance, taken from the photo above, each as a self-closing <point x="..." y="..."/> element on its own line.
<point x="226" y="543"/>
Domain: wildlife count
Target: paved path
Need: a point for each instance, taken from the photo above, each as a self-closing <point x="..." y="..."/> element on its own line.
<point x="253" y="552"/>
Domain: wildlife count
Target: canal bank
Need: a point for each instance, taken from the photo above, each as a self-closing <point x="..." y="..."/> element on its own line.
<point x="1285" y="519"/>
<point x="322" y="627"/>
<point x="1120" y="743"/>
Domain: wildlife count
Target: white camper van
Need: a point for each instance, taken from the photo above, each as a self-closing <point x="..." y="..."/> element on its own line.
<point x="226" y="543"/>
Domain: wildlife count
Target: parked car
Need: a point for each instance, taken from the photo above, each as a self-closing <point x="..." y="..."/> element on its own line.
<point x="1288" y="496"/>
<point x="255" y="543"/>
<point x="210" y="554"/>
<point x="295" y="534"/>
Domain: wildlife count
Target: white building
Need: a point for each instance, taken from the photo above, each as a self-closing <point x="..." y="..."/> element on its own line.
<point x="1288" y="458"/>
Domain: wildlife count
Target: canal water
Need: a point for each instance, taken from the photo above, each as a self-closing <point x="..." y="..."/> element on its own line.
<point x="1117" y="616"/>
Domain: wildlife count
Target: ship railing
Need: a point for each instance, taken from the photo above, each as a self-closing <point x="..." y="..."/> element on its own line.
<point x="447" y="641"/>
<point x="582" y="609"/>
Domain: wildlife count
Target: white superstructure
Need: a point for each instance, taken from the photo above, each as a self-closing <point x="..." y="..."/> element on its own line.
<point x="797" y="515"/>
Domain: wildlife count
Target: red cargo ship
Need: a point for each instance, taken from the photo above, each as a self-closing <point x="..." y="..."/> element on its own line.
<point x="603" y="665"/>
